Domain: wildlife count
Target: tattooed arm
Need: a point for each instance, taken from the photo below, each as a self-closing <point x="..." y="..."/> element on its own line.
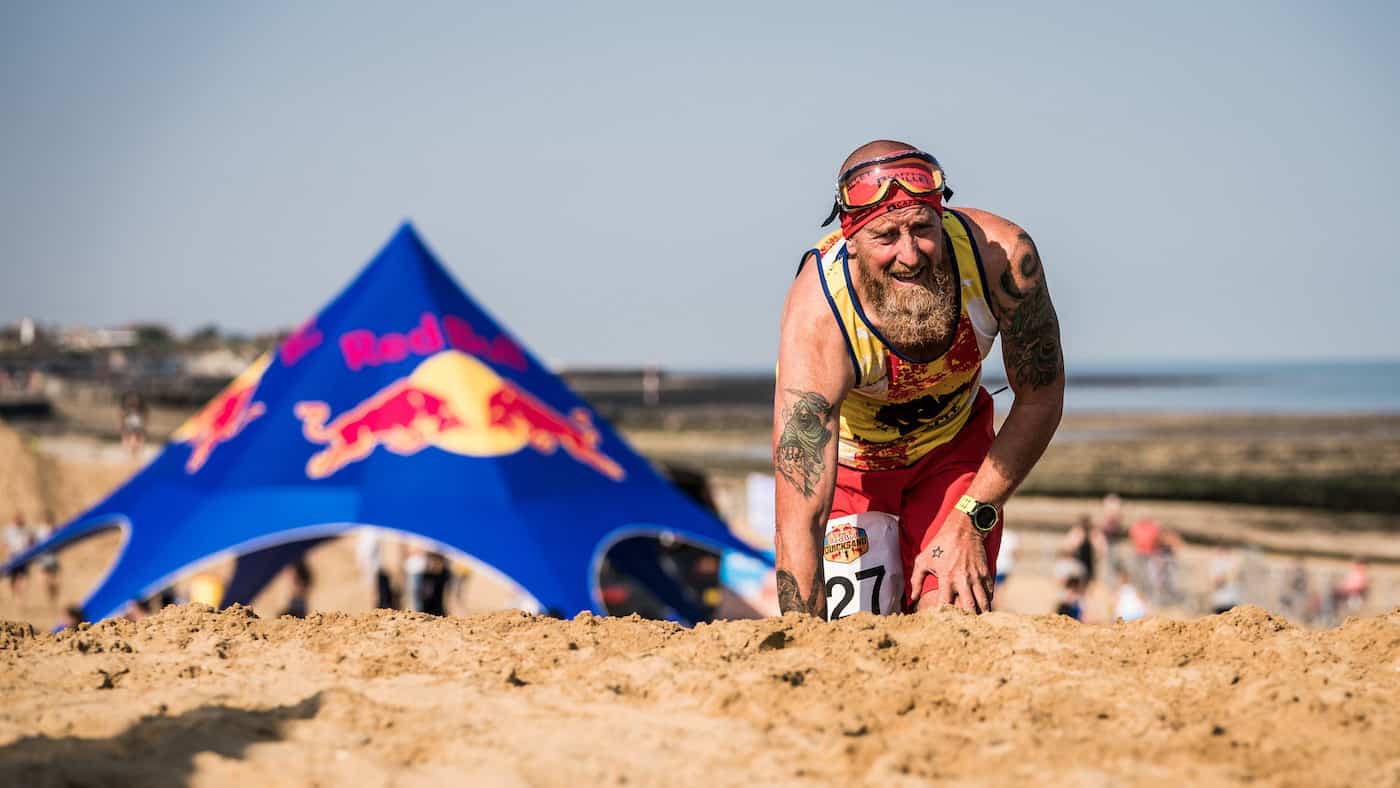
<point x="1030" y="341"/>
<point x="814" y="374"/>
<point x="1030" y="344"/>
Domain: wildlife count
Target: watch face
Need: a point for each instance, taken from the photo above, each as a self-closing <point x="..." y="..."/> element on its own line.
<point x="984" y="517"/>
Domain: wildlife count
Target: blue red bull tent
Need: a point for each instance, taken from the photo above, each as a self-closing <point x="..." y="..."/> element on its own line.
<point x="404" y="406"/>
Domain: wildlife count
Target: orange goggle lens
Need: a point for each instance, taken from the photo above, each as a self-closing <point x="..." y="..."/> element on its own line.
<point x="867" y="185"/>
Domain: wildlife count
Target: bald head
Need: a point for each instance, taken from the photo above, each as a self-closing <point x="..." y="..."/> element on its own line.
<point x="871" y="150"/>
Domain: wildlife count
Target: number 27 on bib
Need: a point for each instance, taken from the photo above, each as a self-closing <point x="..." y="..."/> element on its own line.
<point x="860" y="555"/>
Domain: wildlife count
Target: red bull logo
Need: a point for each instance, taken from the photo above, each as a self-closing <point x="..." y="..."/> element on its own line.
<point x="362" y="348"/>
<point x="300" y="342"/>
<point x="224" y="416"/>
<point x="546" y="430"/>
<point x="458" y="404"/>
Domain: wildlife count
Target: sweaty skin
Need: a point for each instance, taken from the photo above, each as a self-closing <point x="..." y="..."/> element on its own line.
<point x="904" y="249"/>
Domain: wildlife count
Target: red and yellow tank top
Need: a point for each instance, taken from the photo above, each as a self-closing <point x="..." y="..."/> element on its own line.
<point x="901" y="409"/>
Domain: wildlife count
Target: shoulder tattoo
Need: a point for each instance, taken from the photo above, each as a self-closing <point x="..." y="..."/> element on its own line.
<point x="1031" y="331"/>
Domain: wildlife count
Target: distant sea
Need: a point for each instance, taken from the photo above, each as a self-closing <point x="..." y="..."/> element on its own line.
<point x="1256" y="387"/>
<point x="1214" y="386"/>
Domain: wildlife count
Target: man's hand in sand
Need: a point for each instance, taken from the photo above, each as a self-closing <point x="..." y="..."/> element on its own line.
<point x="958" y="559"/>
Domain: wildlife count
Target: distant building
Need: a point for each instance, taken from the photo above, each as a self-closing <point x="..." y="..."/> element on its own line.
<point x="78" y="338"/>
<point x="217" y="363"/>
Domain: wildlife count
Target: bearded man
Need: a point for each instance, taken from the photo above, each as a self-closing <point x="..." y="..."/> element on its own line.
<point x="879" y="405"/>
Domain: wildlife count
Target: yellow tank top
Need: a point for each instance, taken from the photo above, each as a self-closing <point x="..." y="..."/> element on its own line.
<point x="901" y="409"/>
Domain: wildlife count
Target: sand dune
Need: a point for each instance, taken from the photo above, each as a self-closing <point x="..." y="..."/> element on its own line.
<point x="507" y="698"/>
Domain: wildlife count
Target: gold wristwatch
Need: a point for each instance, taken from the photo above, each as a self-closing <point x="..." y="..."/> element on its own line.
<point x="984" y="516"/>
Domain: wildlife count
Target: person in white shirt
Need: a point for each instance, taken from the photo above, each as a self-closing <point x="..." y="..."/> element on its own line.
<point x="18" y="538"/>
<point x="1130" y="605"/>
<point x="48" y="562"/>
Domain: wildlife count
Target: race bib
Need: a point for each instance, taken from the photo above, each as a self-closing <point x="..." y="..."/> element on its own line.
<point x="860" y="555"/>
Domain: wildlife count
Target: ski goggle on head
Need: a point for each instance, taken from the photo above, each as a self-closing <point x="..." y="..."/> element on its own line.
<point x="867" y="183"/>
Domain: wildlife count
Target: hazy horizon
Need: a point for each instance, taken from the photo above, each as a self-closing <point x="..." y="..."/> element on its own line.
<point x="622" y="186"/>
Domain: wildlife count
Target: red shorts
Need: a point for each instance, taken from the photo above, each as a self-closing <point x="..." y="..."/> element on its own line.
<point x="923" y="494"/>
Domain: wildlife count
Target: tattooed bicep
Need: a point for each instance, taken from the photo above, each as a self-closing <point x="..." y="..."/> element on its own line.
<point x="1030" y="329"/>
<point x="800" y="452"/>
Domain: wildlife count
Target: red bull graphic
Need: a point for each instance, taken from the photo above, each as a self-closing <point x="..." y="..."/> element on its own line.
<point x="458" y="404"/>
<point x="224" y="416"/>
<point x="363" y="348"/>
<point x="547" y="430"/>
<point x="300" y="342"/>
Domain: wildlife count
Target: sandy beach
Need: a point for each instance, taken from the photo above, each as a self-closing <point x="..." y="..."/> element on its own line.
<point x="195" y="697"/>
<point x="219" y="699"/>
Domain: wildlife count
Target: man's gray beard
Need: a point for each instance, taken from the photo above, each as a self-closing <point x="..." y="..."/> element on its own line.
<point x="915" y="318"/>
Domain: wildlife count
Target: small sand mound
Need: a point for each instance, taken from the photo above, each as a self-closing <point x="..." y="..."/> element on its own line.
<point x="390" y="697"/>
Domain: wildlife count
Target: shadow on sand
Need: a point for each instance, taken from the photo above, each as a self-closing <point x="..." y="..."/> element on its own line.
<point x="156" y="750"/>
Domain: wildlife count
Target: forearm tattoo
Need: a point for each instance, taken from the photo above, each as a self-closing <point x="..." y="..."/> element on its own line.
<point x="790" y="596"/>
<point x="802" y="445"/>
<point x="1032" y="333"/>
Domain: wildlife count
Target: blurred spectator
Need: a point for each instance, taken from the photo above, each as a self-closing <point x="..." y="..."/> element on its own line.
<point x="300" y="575"/>
<point x="1111" y="521"/>
<point x="1006" y="559"/>
<point x="17" y="539"/>
<point x="695" y="570"/>
<point x="163" y="598"/>
<point x="1069" y="580"/>
<point x="457" y="589"/>
<point x="137" y="610"/>
<point x="432" y="584"/>
<point x="1146" y="536"/>
<point x="1129" y="605"/>
<point x="1169" y="548"/>
<point x="1071" y="602"/>
<point x="1350" y="591"/>
<point x="1085" y="541"/>
<point x="48" y="562"/>
<point x="1155" y="552"/>
<point x="1224" y="580"/>
<point x="1298" y="600"/>
<point x="704" y="576"/>
<point x="72" y="617"/>
<point x="133" y="427"/>
<point x="415" y="562"/>
<point x="369" y="555"/>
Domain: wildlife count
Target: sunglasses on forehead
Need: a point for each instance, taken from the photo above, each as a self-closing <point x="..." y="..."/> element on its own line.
<point x="867" y="183"/>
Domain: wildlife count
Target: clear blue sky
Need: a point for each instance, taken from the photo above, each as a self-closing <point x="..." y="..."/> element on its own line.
<point x="1204" y="180"/>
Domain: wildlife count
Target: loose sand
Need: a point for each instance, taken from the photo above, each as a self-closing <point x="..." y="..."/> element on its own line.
<point x="203" y="698"/>
<point x="385" y="698"/>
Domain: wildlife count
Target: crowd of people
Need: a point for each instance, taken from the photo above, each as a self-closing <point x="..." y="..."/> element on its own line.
<point x="1140" y="565"/>
<point x="19" y="536"/>
<point x="1103" y="569"/>
<point x="423" y="580"/>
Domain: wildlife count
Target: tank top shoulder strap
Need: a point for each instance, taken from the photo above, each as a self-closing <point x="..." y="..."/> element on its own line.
<point x="970" y="270"/>
<point x="865" y="351"/>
